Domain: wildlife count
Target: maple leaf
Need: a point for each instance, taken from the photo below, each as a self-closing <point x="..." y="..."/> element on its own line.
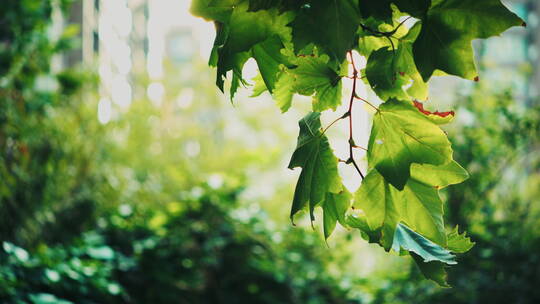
<point x="334" y="209"/>
<point x="330" y="25"/>
<point x="448" y="29"/>
<point x="389" y="71"/>
<point x="314" y="76"/>
<point x="400" y="136"/>
<point x="319" y="166"/>
<point x="407" y="239"/>
<point x="437" y="117"/>
<point x="418" y="204"/>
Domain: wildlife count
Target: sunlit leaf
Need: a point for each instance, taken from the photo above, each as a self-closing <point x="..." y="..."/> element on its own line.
<point x="400" y="136"/>
<point x="319" y="166"/>
<point x="448" y="29"/>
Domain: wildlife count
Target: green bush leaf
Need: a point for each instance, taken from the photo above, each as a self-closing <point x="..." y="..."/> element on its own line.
<point x="269" y="59"/>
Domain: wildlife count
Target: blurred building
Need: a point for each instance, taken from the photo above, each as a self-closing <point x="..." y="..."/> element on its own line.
<point x="85" y="14"/>
<point x="510" y="61"/>
<point x="513" y="59"/>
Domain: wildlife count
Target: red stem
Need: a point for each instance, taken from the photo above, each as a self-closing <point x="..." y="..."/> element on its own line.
<point x="351" y="101"/>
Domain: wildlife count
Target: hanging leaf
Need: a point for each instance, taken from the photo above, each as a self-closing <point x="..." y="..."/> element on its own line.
<point x="437" y="117"/>
<point x="313" y="76"/>
<point x="448" y="30"/>
<point x="300" y="47"/>
<point x="268" y="56"/>
<point x="391" y="71"/>
<point x="418" y="205"/>
<point x="431" y="270"/>
<point x="400" y="136"/>
<point x="283" y="94"/>
<point x="330" y="25"/>
<point x="319" y="166"/>
<point x="407" y="239"/>
<point x="334" y="208"/>
<point x="459" y="243"/>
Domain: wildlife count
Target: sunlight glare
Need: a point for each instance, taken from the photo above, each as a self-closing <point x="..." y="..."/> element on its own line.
<point x="104" y="110"/>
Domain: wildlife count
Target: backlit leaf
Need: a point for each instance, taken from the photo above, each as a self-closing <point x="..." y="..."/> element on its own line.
<point x="330" y="25"/>
<point x="319" y="166"/>
<point x="448" y="29"/>
<point x="334" y="208"/>
<point x="459" y="243"/>
<point x="400" y="136"/>
<point x="313" y="76"/>
<point x="407" y="239"/>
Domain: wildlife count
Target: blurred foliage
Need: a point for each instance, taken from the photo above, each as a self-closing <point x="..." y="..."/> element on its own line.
<point x="145" y="209"/>
<point x="47" y="181"/>
<point x="192" y="252"/>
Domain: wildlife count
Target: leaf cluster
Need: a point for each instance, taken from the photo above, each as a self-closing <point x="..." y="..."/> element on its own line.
<point x="306" y="48"/>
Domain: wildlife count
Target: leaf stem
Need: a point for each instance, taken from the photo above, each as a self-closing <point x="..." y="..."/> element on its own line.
<point x="385" y="34"/>
<point x="335" y="120"/>
<point x="367" y="102"/>
<point x="359" y="147"/>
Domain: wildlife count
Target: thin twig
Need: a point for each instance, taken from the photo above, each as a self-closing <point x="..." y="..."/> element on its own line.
<point x="335" y="120"/>
<point x="367" y="102"/>
<point x="358" y="147"/>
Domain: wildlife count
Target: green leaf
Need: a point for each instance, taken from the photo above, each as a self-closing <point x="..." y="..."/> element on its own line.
<point x="241" y="34"/>
<point x="432" y="270"/>
<point x="330" y="25"/>
<point x="283" y="94"/>
<point x="381" y="9"/>
<point x="439" y="176"/>
<point x="389" y="71"/>
<point x="409" y="240"/>
<point x="213" y="10"/>
<point x="378" y="202"/>
<point x="282" y="5"/>
<point x="400" y="136"/>
<point x="368" y="43"/>
<point x="357" y="219"/>
<point x="268" y="56"/>
<point x="384" y="74"/>
<point x="319" y="166"/>
<point x="459" y="243"/>
<point x="259" y="86"/>
<point x="313" y="75"/>
<point x="239" y="61"/>
<point x="448" y="29"/>
<point x="334" y="208"/>
<point x="418" y="205"/>
<point x="437" y="117"/>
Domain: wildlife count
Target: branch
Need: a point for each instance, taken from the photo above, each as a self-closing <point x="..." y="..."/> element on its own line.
<point x="351" y="101"/>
